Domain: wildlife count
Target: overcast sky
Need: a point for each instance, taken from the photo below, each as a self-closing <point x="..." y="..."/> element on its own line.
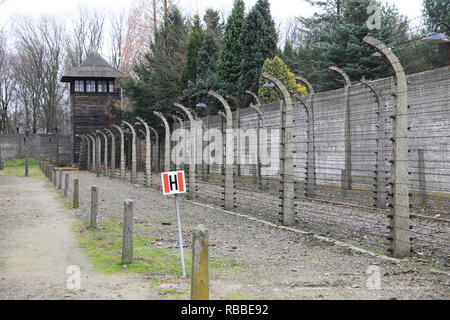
<point x="281" y="9"/>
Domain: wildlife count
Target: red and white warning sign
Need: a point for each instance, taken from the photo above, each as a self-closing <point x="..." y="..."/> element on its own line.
<point x="173" y="182"/>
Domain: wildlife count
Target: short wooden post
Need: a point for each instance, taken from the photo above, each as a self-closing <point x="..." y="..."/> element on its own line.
<point x="54" y="177"/>
<point x="94" y="207"/>
<point x="200" y="280"/>
<point x="66" y="185"/>
<point x="75" y="193"/>
<point x="60" y="179"/>
<point x="127" y="245"/>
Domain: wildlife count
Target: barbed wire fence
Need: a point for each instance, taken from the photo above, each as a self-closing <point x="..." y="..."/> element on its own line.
<point x="360" y="209"/>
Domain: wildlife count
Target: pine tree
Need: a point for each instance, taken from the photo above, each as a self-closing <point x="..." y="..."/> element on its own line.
<point x="211" y="45"/>
<point x="206" y="78"/>
<point x="436" y="11"/>
<point x="278" y="68"/>
<point x="289" y="55"/>
<point x="335" y="37"/>
<point x="195" y="44"/>
<point x="158" y="79"/>
<point x="230" y="56"/>
<point x="259" y="42"/>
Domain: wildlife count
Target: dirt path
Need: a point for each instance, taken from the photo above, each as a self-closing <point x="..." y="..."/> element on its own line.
<point x="265" y="262"/>
<point x="37" y="246"/>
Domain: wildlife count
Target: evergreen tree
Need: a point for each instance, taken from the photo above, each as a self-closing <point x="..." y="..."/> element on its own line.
<point x="230" y="56"/>
<point x="289" y="55"/>
<point x="195" y="44"/>
<point x="211" y="45"/>
<point x="335" y="37"/>
<point x="436" y="11"/>
<point x="429" y="56"/>
<point x="206" y="70"/>
<point x="278" y="68"/>
<point x="157" y="81"/>
<point x="259" y="42"/>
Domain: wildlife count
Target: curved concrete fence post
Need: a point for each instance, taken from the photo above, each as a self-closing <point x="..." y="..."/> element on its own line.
<point x="184" y="118"/>
<point x="173" y="154"/>
<point x="287" y="158"/>
<point x="224" y="120"/>
<point x="261" y="136"/>
<point x="237" y="127"/>
<point x="89" y="156"/>
<point x="112" y="171"/>
<point x="379" y="185"/>
<point x="347" y="141"/>
<point x="133" y="152"/>
<point x="192" y="179"/>
<point x="105" y="160"/>
<point x="98" y="141"/>
<point x="83" y="157"/>
<point x="179" y="158"/>
<point x="198" y="145"/>
<point x="140" y="160"/>
<point x="310" y="153"/>
<point x="148" y="167"/>
<point x="167" y="140"/>
<point x="400" y="234"/>
<point x="94" y="153"/>
<point x="194" y="114"/>
<point x="229" y="153"/>
<point x="99" y="154"/>
<point x="156" y="156"/>
<point x="122" y="152"/>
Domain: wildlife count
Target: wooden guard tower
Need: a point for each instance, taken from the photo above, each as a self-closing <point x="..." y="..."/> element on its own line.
<point x="93" y="88"/>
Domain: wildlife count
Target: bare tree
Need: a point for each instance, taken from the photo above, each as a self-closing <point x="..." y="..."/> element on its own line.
<point x="86" y="35"/>
<point x="28" y="69"/>
<point x="143" y="20"/>
<point x="37" y="69"/>
<point x="6" y="86"/>
<point x="52" y="32"/>
<point x="118" y="26"/>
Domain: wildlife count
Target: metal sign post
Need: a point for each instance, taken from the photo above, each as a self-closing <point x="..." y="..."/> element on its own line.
<point x="174" y="183"/>
<point x="180" y="236"/>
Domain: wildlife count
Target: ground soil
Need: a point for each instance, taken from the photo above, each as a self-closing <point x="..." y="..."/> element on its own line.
<point x="37" y="244"/>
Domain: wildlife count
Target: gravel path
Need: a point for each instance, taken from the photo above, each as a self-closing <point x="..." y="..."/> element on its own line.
<point x="265" y="262"/>
<point x="37" y="246"/>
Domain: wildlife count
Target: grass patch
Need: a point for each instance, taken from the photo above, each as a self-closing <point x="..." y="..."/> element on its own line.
<point x="237" y="296"/>
<point x="104" y="248"/>
<point x="16" y="168"/>
<point x="60" y="198"/>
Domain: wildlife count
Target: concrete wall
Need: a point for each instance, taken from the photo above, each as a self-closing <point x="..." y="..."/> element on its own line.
<point x="429" y="120"/>
<point x="13" y="146"/>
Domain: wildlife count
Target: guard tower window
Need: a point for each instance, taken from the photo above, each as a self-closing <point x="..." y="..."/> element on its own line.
<point x="111" y="86"/>
<point x="90" y="85"/>
<point x="102" y="86"/>
<point x="79" y="85"/>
